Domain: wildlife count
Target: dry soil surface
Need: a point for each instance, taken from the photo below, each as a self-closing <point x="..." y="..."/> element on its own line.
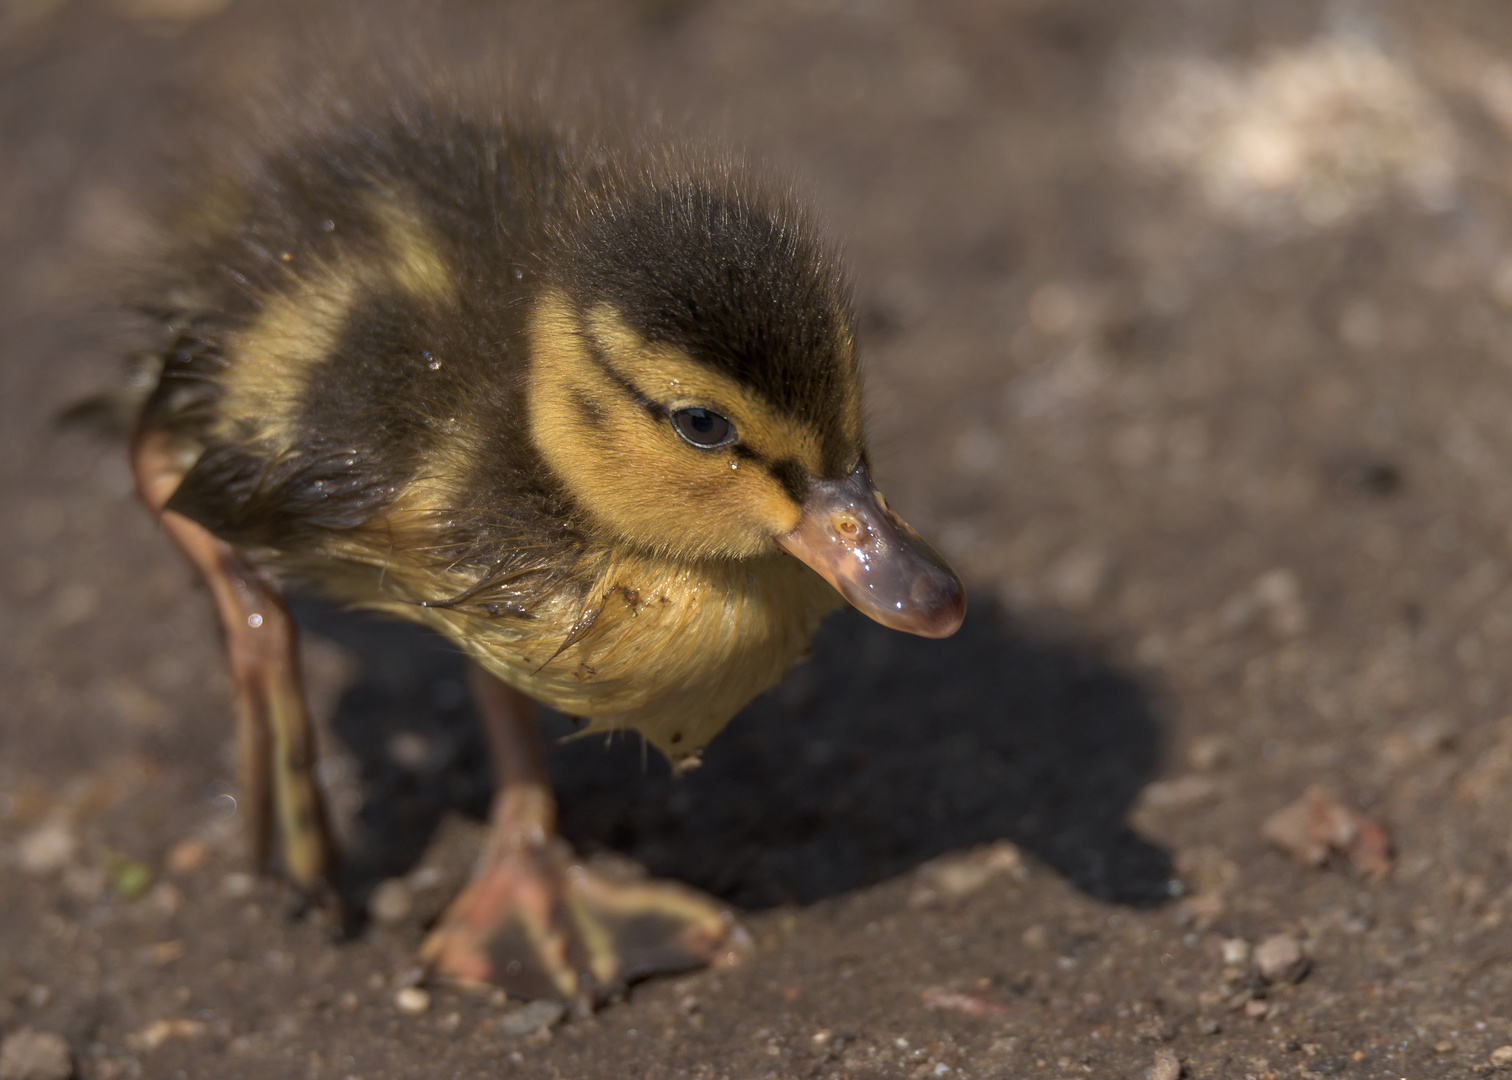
<point x="1189" y="326"/>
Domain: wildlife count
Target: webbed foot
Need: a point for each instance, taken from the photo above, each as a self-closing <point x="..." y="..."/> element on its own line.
<point x="539" y="923"/>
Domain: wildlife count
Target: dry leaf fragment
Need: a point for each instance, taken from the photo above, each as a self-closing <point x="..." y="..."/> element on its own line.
<point x="1318" y="824"/>
<point x="158" y="1032"/>
<point x="166" y="952"/>
<point x="937" y="997"/>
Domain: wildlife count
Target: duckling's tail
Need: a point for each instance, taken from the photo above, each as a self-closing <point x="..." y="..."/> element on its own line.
<point x="112" y="414"/>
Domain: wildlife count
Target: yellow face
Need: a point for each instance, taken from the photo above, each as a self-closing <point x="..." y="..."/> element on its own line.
<point x="666" y="453"/>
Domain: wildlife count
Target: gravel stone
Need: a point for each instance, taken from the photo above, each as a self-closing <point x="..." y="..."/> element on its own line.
<point x="1208" y="752"/>
<point x="391" y="902"/>
<point x="47" y="848"/>
<point x="1236" y="951"/>
<point x="1179" y="793"/>
<point x="187" y="856"/>
<point x="27" y="1054"/>
<point x="1078" y="578"/>
<point x="1279" y="958"/>
<point x="238" y="884"/>
<point x="413" y="1001"/>
<point x="1166" y="1067"/>
<point x="953" y="877"/>
<point x="1280" y="593"/>
<point x="532" y="1018"/>
<point x="1501" y="1057"/>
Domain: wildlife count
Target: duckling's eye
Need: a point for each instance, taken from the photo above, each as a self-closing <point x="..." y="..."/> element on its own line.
<point x="702" y="428"/>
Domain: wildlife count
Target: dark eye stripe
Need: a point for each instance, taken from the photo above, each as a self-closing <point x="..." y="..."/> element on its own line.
<point x="654" y="408"/>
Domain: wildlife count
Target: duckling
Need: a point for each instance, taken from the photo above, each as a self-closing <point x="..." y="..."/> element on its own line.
<point x="587" y="404"/>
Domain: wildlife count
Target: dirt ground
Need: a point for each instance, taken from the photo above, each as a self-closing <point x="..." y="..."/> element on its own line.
<point x="1189" y="326"/>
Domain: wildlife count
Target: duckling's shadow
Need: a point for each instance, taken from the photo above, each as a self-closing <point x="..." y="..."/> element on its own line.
<point x="882" y="752"/>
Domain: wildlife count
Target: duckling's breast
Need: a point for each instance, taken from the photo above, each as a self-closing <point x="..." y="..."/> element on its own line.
<point x="670" y="649"/>
<point x="677" y="650"/>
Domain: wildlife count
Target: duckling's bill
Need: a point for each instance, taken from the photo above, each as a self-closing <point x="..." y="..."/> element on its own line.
<point x="874" y="559"/>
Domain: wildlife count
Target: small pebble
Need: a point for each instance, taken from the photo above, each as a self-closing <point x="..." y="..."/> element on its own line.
<point x="86" y="883"/>
<point x="1154" y="1030"/>
<point x="961" y="875"/>
<point x="410" y="750"/>
<point x="1235" y="951"/>
<point x="186" y="855"/>
<point x="164" y="900"/>
<point x="1279" y="959"/>
<point x="1200" y="911"/>
<point x="27" y="1054"/>
<point x="238" y="885"/>
<point x="391" y="902"/>
<point x="1179" y="793"/>
<point x="1280" y="593"/>
<point x="1208" y="752"/>
<point x="1166" y="1067"/>
<point x="531" y="1018"/>
<point x="1257" y="1010"/>
<point x="412" y="1000"/>
<point x="1501" y="1057"/>
<point x="47" y="848"/>
<point x="1079" y="577"/>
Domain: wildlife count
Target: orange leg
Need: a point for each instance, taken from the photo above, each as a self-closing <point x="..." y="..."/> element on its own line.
<point x="276" y="742"/>
<point x="534" y="920"/>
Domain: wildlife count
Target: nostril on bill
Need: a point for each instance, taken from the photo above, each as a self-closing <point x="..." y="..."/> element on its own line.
<point x="849" y="529"/>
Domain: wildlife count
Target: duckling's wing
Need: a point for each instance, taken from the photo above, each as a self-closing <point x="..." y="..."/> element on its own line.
<point x="287" y="502"/>
<point x="348" y="364"/>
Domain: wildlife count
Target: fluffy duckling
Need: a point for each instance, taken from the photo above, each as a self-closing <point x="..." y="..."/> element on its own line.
<point x="586" y="404"/>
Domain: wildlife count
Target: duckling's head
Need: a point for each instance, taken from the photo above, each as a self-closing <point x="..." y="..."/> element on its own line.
<point x="695" y="388"/>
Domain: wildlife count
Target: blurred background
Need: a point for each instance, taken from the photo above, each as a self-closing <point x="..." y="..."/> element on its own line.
<point x="1189" y="332"/>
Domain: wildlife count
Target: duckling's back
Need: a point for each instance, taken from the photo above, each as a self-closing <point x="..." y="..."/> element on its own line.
<point x="347" y="340"/>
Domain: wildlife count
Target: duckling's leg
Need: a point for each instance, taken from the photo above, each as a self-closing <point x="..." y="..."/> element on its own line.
<point x="535" y="921"/>
<point x="276" y="743"/>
